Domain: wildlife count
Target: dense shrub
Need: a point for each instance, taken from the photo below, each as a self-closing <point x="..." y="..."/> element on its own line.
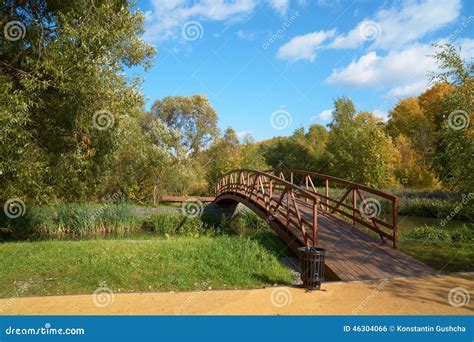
<point x="429" y="194"/>
<point x="170" y="224"/>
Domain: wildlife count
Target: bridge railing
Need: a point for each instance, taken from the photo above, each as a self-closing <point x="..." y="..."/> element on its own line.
<point x="356" y="203"/>
<point x="280" y="198"/>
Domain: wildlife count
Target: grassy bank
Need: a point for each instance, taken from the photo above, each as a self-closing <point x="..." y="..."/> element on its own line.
<point x="444" y="250"/>
<point x="152" y="264"/>
<point x="75" y="248"/>
<point x="441" y="256"/>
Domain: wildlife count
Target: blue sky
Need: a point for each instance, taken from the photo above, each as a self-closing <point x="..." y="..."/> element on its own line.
<point x="271" y="66"/>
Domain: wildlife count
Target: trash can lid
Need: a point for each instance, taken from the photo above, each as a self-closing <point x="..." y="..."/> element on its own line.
<point x="316" y="250"/>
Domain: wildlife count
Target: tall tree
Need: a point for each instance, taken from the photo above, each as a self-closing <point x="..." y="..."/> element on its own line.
<point x="409" y="119"/>
<point x="412" y="172"/>
<point x="454" y="147"/>
<point x="222" y="156"/>
<point x="250" y="155"/>
<point x="431" y="102"/>
<point x="192" y="116"/>
<point x="359" y="149"/>
<point x="344" y="112"/>
<point x="63" y="93"/>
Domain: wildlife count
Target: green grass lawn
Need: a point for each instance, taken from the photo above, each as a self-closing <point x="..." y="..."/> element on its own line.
<point x="153" y="264"/>
<point x="442" y="256"/>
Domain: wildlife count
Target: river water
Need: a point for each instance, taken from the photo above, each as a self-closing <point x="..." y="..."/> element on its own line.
<point x="408" y="223"/>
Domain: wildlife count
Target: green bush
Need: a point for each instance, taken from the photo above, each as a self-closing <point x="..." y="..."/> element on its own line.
<point x="427" y="194"/>
<point x="464" y="234"/>
<point x="437" y="208"/>
<point x="428" y="233"/>
<point x="171" y="224"/>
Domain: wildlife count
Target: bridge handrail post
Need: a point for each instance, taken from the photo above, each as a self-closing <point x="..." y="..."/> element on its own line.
<point x="395" y="223"/>
<point x="315" y="223"/>
<point x="354" y="204"/>
<point x="288" y="193"/>
<point x="327" y="194"/>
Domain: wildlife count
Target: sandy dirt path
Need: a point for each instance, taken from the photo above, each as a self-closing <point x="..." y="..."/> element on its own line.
<point x="416" y="296"/>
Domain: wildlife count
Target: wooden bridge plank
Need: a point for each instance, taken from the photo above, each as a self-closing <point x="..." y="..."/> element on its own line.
<point x="356" y="255"/>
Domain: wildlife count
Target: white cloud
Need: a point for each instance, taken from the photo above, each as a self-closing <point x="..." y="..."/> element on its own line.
<point x="380" y="114"/>
<point x="402" y="24"/>
<point x="467" y="48"/>
<point x="243" y="134"/>
<point x="304" y="47"/>
<point x="281" y="6"/>
<point x="405" y="71"/>
<point x="357" y="35"/>
<point x="167" y="16"/>
<point x="325" y="114"/>
<point x="408" y="90"/>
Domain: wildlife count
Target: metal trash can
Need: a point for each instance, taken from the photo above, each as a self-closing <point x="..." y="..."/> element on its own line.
<point x="312" y="266"/>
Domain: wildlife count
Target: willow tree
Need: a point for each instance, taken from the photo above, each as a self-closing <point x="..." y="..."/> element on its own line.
<point x="192" y="117"/>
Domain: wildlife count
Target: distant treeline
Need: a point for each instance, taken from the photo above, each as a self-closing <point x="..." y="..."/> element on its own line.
<point x="73" y="127"/>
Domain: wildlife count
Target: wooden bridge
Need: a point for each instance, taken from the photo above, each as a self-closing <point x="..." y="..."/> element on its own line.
<point x="357" y="225"/>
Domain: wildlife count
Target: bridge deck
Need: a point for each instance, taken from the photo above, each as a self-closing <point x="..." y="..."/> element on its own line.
<point x="353" y="254"/>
